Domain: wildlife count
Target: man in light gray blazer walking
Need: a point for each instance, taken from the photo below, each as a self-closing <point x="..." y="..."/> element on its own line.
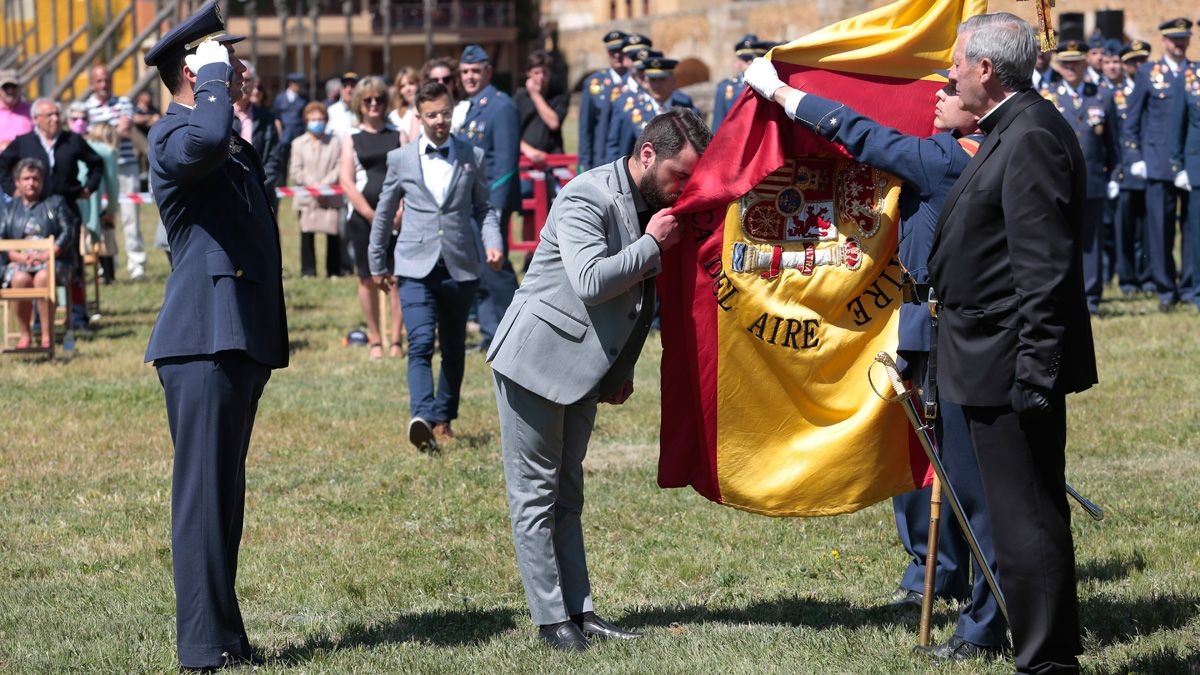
<point x="448" y="227"/>
<point x="570" y="340"/>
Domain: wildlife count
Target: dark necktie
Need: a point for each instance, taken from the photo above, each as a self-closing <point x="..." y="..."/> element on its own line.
<point x="444" y="151"/>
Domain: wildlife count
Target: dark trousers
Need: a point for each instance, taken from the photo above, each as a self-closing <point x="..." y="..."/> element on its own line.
<point x="308" y="255"/>
<point x="1164" y="204"/>
<point x="1093" y="252"/>
<point x="1190" y="252"/>
<point x="1022" y="461"/>
<point x="979" y="620"/>
<point x="1129" y="223"/>
<point x="435" y="309"/>
<point x="1108" y="239"/>
<point x="498" y="289"/>
<point x="211" y="404"/>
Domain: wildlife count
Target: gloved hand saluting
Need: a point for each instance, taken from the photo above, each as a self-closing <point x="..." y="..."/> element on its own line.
<point x="208" y="53"/>
<point x="763" y="78"/>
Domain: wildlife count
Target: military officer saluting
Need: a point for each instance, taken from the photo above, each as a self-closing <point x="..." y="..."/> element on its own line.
<point x="1146" y="138"/>
<point x="597" y="89"/>
<point x="729" y="89"/>
<point x="658" y="96"/>
<point x="221" y="329"/>
<point x="1185" y="160"/>
<point x="1089" y="110"/>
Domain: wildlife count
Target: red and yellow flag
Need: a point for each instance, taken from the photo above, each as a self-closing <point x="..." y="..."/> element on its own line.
<point x="775" y="306"/>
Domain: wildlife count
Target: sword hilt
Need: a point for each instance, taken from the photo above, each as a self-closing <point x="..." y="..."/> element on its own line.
<point x="893" y="375"/>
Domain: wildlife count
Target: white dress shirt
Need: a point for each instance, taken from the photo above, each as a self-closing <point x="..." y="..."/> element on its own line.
<point x="436" y="169"/>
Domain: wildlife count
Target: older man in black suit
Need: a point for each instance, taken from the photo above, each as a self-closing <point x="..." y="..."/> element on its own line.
<point x="59" y="149"/>
<point x="1015" y="334"/>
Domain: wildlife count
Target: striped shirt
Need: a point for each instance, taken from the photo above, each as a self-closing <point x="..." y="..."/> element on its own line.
<point x="110" y="112"/>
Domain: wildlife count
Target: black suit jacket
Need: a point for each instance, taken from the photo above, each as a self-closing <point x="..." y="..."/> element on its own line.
<point x="63" y="179"/>
<point x="1007" y="264"/>
<point x="265" y="139"/>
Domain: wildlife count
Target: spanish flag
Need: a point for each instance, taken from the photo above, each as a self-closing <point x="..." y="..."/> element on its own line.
<point x="789" y="284"/>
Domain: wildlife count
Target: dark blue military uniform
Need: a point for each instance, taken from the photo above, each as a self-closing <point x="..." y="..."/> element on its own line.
<point x="291" y="112"/>
<point x="491" y="123"/>
<point x="636" y="111"/>
<point x="597" y="91"/>
<point x="1092" y="115"/>
<point x="1129" y="213"/>
<point x="221" y="330"/>
<point x="929" y="168"/>
<point x="729" y="89"/>
<point x="1146" y="137"/>
<point x="1185" y="155"/>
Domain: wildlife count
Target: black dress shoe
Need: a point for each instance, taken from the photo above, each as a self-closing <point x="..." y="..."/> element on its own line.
<point x="905" y="599"/>
<point x="563" y="636"/>
<point x="595" y="627"/>
<point x="956" y="649"/>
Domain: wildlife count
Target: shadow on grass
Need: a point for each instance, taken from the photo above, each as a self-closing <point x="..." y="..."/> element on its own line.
<point x="1113" y="568"/>
<point x="784" y="611"/>
<point x="1157" y="662"/>
<point x="1113" y="621"/>
<point x="438" y="629"/>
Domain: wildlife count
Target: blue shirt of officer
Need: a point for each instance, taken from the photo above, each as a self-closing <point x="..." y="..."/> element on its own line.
<point x="729" y="89"/>
<point x="491" y="123"/>
<point x="637" y="110"/>
<point x="1122" y="92"/>
<point x="1091" y="113"/>
<point x="1146" y="135"/>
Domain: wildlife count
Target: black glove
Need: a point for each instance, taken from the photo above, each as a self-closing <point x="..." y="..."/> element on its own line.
<point x="1029" y="398"/>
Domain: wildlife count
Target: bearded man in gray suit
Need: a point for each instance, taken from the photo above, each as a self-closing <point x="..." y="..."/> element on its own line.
<point x="448" y="227"/>
<point x="570" y="340"/>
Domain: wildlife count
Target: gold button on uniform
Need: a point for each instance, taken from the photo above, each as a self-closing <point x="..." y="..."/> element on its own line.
<point x="239" y="273"/>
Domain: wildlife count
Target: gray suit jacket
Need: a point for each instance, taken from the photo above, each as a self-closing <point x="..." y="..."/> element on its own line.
<point x="458" y="231"/>
<point x="579" y="302"/>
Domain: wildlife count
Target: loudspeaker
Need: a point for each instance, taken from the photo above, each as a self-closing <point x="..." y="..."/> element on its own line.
<point x="1111" y="23"/>
<point x="1070" y="26"/>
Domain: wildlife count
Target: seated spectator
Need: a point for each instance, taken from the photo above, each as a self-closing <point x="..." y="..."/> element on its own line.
<point x="30" y="216"/>
<point x="14" y="113"/>
<point x="315" y="161"/>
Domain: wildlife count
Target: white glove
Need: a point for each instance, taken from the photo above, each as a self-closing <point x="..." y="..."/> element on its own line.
<point x="1138" y="169"/>
<point x="763" y="78"/>
<point x="208" y="53"/>
<point x="1114" y="189"/>
<point x="1181" y="181"/>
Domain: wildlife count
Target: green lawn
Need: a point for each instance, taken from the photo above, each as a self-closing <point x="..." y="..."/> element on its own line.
<point x="361" y="555"/>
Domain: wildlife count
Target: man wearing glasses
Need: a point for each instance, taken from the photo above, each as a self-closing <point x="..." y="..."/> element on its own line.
<point x="448" y="226"/>
<point x="929" y="168"/>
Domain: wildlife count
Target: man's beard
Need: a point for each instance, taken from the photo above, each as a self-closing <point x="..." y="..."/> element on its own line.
<point x="652" y="192"/>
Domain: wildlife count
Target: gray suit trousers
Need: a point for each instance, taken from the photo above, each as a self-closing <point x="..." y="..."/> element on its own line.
<point x="544" y="444"/>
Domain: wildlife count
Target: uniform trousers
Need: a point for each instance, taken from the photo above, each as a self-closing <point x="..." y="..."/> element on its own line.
<point x="1093" y="252"/>
<point x="544" y="444"/>
<point x="211" y="404"/>
<point x="499" y="286"/>
<point x="1022" y="462"/>
<point x="979" y="619"/>
<point x="435" y="311"/>
<point x="1129" y="224"/>
<point x="1163" y="208"/>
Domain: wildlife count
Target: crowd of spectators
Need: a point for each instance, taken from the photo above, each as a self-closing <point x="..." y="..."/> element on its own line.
<point x="98" y="154"/>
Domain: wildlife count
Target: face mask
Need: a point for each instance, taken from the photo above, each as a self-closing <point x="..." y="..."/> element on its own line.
<point x="79" y="126"/>
<point x="316" y="127"/>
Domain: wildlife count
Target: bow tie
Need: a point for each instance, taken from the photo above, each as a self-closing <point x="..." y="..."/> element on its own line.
<point x="444" y="151"/>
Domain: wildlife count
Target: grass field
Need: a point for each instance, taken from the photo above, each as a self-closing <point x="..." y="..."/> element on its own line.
<point x="361" y="555"/>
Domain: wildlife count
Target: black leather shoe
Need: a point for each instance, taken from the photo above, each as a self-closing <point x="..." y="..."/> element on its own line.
<point x="595" y="627"/>
<point x="563" y="636"/>
<point x="905" y="599"/>
<point x="957" y="649"/>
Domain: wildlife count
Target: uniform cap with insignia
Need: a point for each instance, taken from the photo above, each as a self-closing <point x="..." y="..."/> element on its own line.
<point x="1176" y="28"/>
<point x="349" y="77"/>
<point x="761" y="47"/>
<point x="745" y="47"/>
<point x="634" y="42"/>
<point x="206" y="24"/>
<point x="614" y="40"/>
<point x="1135" y="49"/>
<point x="1112" y="47"/>
<point x="298" y="78"/>
<point x="658" y="66"/>
<point x="474" y="54"/>
<point x="644" y="54"/>
<point x="1071" y="51"/>
<point x="1096" y="41"/>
